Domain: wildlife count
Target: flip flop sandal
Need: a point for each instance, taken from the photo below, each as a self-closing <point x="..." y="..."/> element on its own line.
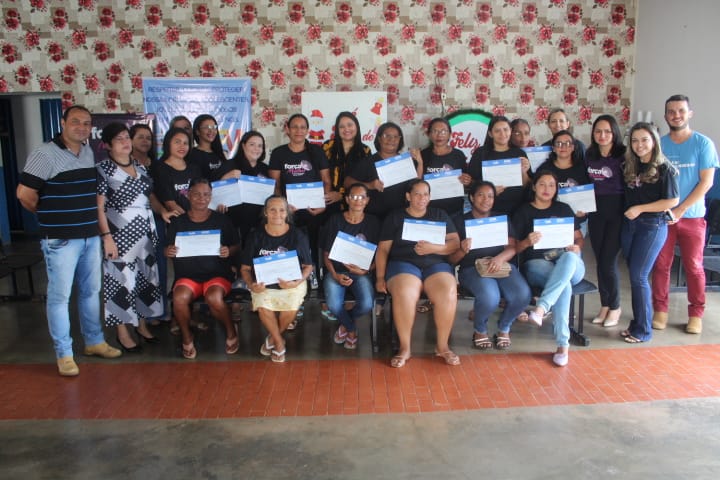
<point x="293" y="325"/>
<point x="482" y="341"/>
<point x="327" y="314"/>
<point x="449" y="356"/>
<point x="350" y="343"/>
<point x="631" y="339"/>
<point x="202" y="326"/>
<point x="233" y="346"/>
<point x="398" y="361"/>
<point x="625" y="333"/>
<point x="523" y="317"/>
<point x="188" y="351"/>
<point x="339" y="336"/>
<point x="502" y="341"/>
<point x="267" y="348"/>
<point x="424" y="307"/>
<point x="278" y="357"/>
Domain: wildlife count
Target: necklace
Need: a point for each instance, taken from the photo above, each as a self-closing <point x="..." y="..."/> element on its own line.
<point x="122" y="164"/>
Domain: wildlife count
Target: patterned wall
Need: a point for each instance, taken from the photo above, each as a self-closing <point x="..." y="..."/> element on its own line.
<point x="511" y="57"/>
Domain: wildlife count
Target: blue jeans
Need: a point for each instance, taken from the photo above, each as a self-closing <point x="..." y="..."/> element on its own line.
<point x="488" y="291"/>
<point x="78" y="261"/>
<point x="641" y="240"/>
<point x="556" y="280"/>
<point x="362" y="289"/>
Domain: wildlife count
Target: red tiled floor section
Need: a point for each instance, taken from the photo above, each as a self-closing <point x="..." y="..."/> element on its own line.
<point x="349" y="387"/>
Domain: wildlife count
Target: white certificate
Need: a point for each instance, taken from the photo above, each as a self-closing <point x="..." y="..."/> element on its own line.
<point x="256" y="190"/>
<point x="556" y="232"/>
<point x="581" y="198"/>
<point x="397" y="169"/>
<point x="506" y="172"/>
<point x="305" y="195"/>
<point x="487" y="232"/>
<point x="351" y="250"/>
<point x="225" y="192"/>
<point x="445" y="184"/>
<point x="270" y="268"/>
<point x="537" y="155"/>
<point x="198" y="243"/>
<point x="416" y="230"/>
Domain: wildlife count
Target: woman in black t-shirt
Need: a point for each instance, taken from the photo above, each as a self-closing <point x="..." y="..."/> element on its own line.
<point x="405" y="268"/>
<point x="488" y="291"/>
<point x="555" y="270"/>
<point x="651" y="190"/>
<point x="276" y="304"/>
<point x="497" y="147"/>
<point x="173" y="173"/>
<point x="208" y="153"/>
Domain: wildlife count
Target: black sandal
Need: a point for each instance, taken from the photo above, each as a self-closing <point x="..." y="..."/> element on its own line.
<point x="482" y="341"/>
<point x="502" y="341"/>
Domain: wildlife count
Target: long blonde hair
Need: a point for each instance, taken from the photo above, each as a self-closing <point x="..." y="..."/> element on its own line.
<point x="631" y="167"/>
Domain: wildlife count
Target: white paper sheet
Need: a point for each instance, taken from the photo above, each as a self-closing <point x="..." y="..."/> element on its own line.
<point x="225" y="192"/>
<point x="537" y="155"/>
<point x="256" y="190"/>
<point x="487" y="232"/>
<point x="397" y="169"/>
<point x="581" y="198"/>
<point x="351" y="250"/>
<point x="198" y="243"/>
<point x="416" y="230"/>
<point x="445" y="184"/>
<point x="506" y="172"/>
<point x="556" y="232"/>
<point x="306" y="195"/>
<point x="269" y="269"/>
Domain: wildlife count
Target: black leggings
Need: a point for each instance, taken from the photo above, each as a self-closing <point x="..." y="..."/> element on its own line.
<point x="604" y="230"/>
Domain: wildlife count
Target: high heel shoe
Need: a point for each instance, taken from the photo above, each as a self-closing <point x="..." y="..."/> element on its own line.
<point x="135" y="349"/>
<point x="151" y="339"/>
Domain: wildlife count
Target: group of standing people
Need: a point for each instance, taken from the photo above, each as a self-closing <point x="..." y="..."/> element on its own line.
<point x="131" y="208"/>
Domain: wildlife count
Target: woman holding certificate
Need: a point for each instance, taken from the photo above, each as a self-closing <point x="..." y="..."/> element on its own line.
<point x="385" y="198"/>
<point x="440" y="158"/>
<point x="250" y="161"/>
<point x="276" y="264"/>
<point x="551" y="244"/>
<point x="604" y="159"/>
<point x="208" y="153"/>
<point x="651" y="189"/>
<point x="202" y="243"/>
<point x="340" y="276"/>
<point x="413" y="257"/>
<point x="481" y="225"/>
<point x="507" y="167"/>
<point x="173" y="173"/>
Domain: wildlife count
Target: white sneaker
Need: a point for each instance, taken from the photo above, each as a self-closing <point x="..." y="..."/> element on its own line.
<point x="560" y="359"/>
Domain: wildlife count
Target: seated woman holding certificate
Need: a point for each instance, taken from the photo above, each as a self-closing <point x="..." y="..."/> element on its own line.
<point x="550" y="243"/>
<point x="202" y="243"/>
<point x="343" y="275"/>
<point x="509" y="180"/>
<point x="276" y="264"/>
<point x="412" y="257"/>
<point x="487" y="284"/>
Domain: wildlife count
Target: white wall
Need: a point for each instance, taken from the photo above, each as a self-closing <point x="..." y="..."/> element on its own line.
<point x="677" y="52"/>
<point x="27" y="123"/>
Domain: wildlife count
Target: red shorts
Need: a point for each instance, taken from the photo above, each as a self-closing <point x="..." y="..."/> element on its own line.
<point x="201" y="288"/>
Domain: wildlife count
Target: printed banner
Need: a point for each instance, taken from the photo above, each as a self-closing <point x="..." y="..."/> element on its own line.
<point x="99" y="120"/>
<point x="226" y="99"/>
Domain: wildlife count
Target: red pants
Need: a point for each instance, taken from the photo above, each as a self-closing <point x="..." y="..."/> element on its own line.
<point x="689" y="234"/>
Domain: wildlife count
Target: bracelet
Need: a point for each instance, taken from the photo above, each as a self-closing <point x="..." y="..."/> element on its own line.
<point x="104" y="234"/>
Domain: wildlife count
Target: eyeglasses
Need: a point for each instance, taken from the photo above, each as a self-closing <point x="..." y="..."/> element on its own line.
<point x="440" y="132"/>
<point x="209" y="127"/>
<point x="388" y="136"/>
<point x="563" y="144"/>
<point x="357" y="198"/>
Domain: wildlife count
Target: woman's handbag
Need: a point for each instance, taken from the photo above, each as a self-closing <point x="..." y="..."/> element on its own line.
<point x="482" y="264"/>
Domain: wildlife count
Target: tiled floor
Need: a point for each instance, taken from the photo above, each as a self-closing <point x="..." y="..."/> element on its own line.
<point x="618" y="410"/>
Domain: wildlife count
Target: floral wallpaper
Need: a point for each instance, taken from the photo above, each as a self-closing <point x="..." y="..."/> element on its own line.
<point x="512" y="57"/>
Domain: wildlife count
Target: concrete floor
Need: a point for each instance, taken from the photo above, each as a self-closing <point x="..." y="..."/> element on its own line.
<point x="663" y="439"/>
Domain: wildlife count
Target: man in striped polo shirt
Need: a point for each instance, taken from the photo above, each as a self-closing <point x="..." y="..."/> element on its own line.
<point x="59" y="185"/>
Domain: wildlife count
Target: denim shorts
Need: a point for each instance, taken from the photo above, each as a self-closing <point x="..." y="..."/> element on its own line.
<point x="395" y="267"/>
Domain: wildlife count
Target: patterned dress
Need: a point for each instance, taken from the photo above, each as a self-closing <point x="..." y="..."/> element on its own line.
<point x="130" y="283"/>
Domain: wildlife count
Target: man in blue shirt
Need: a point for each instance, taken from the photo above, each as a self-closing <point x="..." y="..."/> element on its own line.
<point x="59" y="184"/>
<point x="695" y="157"/>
